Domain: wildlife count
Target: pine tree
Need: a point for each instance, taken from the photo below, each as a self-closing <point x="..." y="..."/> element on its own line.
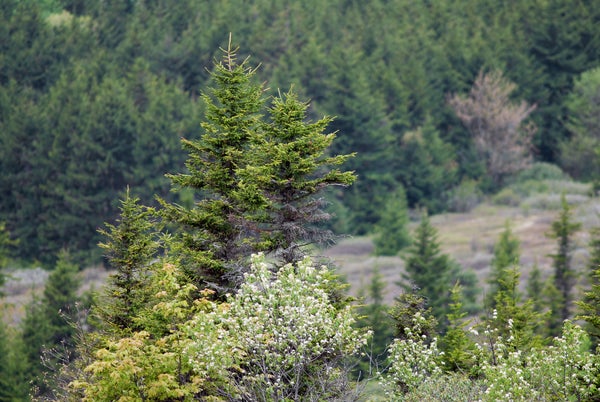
<point x="429" y="270"/>
<point x="375" y="316"/>
<point x="516" y="321"/>
<point x="49" y="326"/>
<point x="506" y="255"/>
<point x="130" y="247"/>
<point x="589" y="306"/>
<point x="563" y="230"/>
<point x="290" y="167"/>
<point x="215" y="234"/>
<point x="391" y="233"/>
<point x="535" y="288"/>
<point x="258" y="178"/>
<point x="459" y="350"/>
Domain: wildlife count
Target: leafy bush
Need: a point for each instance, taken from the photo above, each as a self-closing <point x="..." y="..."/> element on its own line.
<point x="540" y="171"/>
<point x="464" y="197"/>
<point x="507" y="196"/>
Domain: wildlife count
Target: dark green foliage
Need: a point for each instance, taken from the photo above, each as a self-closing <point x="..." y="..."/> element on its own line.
<point x="406" y="307"/>
<point x="564" y="43"/>
<point x="429" y="271"/>
<point x="391" y="233"/>
<point x="375" y="316"/>
<point x="110" y="87"/>
<point x="514" y="319"/>
<point x="506" y="255"/>
<point x="563" y="229"/>
<point x="426" y="166"/>
<point x="459" y="350"/>
<point x="215" y="234"/>
<point x="590" y="305"/>
<point x="130" y="247"/>
<point x="580" y="154"/>
<point x="48" y="329"/>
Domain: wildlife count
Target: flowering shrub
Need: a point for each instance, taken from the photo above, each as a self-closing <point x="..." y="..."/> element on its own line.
<point x="285" y="339"/>
<point x="414" y="361"/>
<point x="566" y="370"/>
<point x="562" y="371"/>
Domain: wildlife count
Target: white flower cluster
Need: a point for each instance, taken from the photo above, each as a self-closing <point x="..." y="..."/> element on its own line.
<point x="414" y="361"/>
<point x="562" y="371"/>
<point x="282" y="334"/>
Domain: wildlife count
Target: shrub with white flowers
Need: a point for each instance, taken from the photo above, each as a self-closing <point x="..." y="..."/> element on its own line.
<point x="286" y="339"/>
<point x="566" y="370"/>
<point x="414" y="361"/>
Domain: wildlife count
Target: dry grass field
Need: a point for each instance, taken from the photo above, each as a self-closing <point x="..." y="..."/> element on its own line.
<point x="467" y="237"/>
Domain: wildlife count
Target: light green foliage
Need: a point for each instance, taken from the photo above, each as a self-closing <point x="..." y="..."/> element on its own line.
<point x="148" y="363"/>
<point x="279" y="337"/>
<point x="408" y="305"/>
<point x="447" y="388"/>
<point x="513" y="320"/>
<point x="391" y="233"/>
<point x="565" y="370"/>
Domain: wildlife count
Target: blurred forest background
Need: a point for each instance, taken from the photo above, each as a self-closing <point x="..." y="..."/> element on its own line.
<point x="95" y="97"/>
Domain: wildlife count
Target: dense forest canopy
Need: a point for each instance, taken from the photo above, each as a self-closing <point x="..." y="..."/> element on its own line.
<point x="95" y="96"/>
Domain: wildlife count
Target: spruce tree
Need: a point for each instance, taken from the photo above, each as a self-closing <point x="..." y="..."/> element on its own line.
<point x="563" y="230"/>
<point x="589" y="306"/>
<point x="130" y="247"/>
<point x="391" y="233"/>
<point x="429" y="270"/>
<point x="506" y="255"/>
<point x="516" y="321"/>
<point x="290" y="166"/>
<point x="215" y="234"/>
<point x="258" y="179"/>
<point x="459" y="350"/>
<point x="375" y="315"/>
